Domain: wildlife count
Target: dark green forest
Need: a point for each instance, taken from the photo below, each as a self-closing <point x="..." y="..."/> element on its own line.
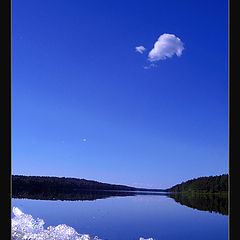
<point x="203" y="193"/>
<point x="35" y="185"/>
<point x="212" y="184"/>
<point x="60" y="184"/>
<point x="61" y="188"/>
<point x="21" y="185"/>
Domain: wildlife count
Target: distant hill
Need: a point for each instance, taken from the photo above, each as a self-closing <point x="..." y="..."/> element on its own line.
<point x="62" y="183"/>
<point x="42" y="186"/>
<point x="212" y="184"/>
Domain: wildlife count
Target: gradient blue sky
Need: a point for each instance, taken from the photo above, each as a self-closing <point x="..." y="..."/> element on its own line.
<point x="84" y="106"/>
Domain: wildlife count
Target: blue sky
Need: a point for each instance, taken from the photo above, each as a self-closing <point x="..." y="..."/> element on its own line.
<point x="86" y="104"/>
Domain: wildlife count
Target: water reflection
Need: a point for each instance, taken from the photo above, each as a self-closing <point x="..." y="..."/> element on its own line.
<point x="84" y="195"/>
<point x="206" y="202"/>
<point x="118" y="218"/>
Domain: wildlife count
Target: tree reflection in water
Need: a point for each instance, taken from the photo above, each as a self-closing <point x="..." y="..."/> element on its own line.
<point x="206" y="202"/>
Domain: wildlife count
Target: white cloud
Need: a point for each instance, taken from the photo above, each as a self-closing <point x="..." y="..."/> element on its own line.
<point x="150" y="66"/>
<point x="165" y="47"/>
<point x="140" y="49"/>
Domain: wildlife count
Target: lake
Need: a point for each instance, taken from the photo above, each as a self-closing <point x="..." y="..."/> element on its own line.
<point x="131" y="217"/>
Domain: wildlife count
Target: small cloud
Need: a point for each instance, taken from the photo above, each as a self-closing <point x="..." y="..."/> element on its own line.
<point x="165" y="47"/>
<point x="84" y="139"/>
<point x="150" y="66"/>
<point x="140" y="49"/>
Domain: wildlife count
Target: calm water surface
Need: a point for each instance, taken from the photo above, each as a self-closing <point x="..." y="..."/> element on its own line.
<point x="131" y="217"/>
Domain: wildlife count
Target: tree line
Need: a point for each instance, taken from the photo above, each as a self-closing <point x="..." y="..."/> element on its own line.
<point x="212" y="184"/>
<point x="60" y="184"/>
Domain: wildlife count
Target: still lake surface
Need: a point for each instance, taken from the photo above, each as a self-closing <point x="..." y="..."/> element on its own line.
<point x="129" y="218"/>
